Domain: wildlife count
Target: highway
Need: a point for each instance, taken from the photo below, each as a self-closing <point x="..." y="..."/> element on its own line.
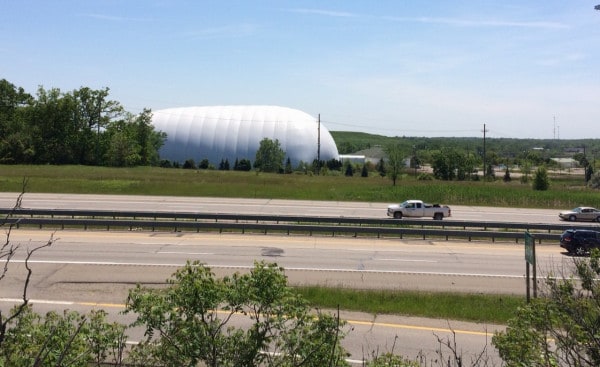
<point x="261" y="206"/>
<point x="95" y="269"/>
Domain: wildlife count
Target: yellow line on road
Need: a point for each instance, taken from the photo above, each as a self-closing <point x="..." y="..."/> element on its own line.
<point x="351" y="322"/>
<point x="415" y="327"/>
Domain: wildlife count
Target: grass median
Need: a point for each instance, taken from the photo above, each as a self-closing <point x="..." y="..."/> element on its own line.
<point x="483" y="308"/>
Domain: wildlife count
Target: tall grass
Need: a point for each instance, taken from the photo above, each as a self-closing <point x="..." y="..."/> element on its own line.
<point x="485" y="308"/>
<point x="566" y="191"/>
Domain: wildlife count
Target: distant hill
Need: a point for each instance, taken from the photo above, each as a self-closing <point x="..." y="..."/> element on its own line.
<point x="349" y="142"/>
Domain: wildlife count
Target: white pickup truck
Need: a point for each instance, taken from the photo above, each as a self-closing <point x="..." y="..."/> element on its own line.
<point x="417" y="208"/>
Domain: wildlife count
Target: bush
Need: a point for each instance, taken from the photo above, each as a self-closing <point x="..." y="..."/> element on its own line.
<point x="189" y="164"/>
<point x="594" y="182"/>
<point x="165" y="163"/>
<point x="193" y="314"/>
<point x="541" y="182"/>
<point x="561" y="327"/>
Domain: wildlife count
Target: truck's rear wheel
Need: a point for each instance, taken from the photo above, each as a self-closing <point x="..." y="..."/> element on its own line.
<point x="398" y="215"/>
<point x="438" y="216"/>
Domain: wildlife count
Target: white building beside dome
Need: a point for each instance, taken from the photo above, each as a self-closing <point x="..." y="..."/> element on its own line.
<point x="217" y="133"/>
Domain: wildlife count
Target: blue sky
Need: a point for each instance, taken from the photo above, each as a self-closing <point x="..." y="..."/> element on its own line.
<point x="525" y="69"/>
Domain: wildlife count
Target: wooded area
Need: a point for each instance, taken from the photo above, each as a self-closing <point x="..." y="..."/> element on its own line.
<point x="79" y="127"/>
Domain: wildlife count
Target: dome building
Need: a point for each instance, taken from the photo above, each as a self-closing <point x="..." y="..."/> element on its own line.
<point x="217" y="133"/>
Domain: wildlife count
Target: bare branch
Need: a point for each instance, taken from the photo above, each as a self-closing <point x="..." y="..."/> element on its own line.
<point x="7" y="252"/>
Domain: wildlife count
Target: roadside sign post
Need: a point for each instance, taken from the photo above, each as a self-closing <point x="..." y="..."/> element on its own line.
<point x="530" y="261"/>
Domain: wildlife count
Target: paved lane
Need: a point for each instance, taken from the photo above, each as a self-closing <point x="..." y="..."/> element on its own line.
<point x="86" y="270"/>
<point x="261" y="206"/>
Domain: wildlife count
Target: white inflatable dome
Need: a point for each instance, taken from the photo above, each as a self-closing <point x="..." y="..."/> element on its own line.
<point x="234" y="132"/>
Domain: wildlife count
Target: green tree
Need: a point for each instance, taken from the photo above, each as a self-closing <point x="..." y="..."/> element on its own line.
<point x="561" y="327"/>
<point x="132" y="141"/>
<point x="93" y="113"/>
<point x="204" y="164"/>
<point x="541" y="182"/>
<point x="391" y="360"/>
<point x="348" y="169"/>
<point x="55" y="339"/>
<point x="589" y="172"/>
<point x="334" y="164"/>
<point x="525" y="170"/>
<point x="594" y="182"/>
<point x="188" y="323"/>
<point x="224" y="165"/>
<point x="121" y="152"/>
<point x="445" y="164"/>
<point x="148" y="139"/>
<point x="288" y="166"/>
<point x="243" y="165"/>
<point x="67" y="128"/>
<point x="52" y="128"/>
<point x="395" y="161"/>
<point x="466" y="166"/>
<point x="364" y="171"/>
<point x="490" y="175"/>
<point x="581" y="159"/>
<point x="15" y="142"/>
<point x="347" y="148"/>
<point x="506" y="177"/>
<point x="269" y="156"/>
<point x="67" y="339"/>
<point x="381" y="168"/>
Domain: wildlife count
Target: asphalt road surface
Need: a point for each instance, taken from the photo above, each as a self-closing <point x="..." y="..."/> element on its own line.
<point x="261" y="206"/>
<point x="84" y="270"/>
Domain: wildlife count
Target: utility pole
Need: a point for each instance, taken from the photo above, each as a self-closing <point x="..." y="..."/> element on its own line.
<point x="414" y="159"/>
<point x="484" y="165"/>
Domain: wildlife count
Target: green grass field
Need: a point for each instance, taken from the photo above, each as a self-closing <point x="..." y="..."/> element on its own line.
<point x="566" y="191"/>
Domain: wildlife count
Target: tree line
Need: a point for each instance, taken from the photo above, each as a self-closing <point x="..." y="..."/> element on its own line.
<point x="82" y="126"/>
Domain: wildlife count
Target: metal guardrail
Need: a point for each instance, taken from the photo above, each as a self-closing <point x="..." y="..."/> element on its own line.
<point x="179" y="221"/>
<point x="73" y="213"/>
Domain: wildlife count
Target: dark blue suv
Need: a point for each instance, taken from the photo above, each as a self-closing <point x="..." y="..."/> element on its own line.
<point x="580" y="241"/>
